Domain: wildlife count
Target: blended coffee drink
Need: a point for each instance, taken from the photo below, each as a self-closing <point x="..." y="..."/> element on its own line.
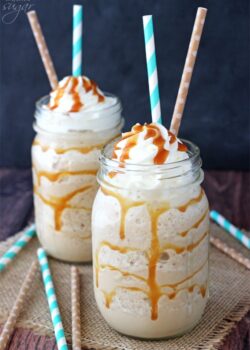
<point x="150" y="227"/>
<point x="72" y="126"/>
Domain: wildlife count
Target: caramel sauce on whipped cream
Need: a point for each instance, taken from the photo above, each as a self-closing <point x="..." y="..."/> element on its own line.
<point x="155" y="140"/>
<point x="74" y="94"/>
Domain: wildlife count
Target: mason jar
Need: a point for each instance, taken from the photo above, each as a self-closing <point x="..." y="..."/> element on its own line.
<point x="65" y="156"/>
<point x="150" y="236"/>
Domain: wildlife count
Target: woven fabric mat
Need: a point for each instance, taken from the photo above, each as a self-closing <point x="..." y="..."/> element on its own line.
<point x="229" y="301"/>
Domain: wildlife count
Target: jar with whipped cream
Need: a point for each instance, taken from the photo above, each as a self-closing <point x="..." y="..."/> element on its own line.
<point x="72" y="125"/>
<point x="150" y="234"/>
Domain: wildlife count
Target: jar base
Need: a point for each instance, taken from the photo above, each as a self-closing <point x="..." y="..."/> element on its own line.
<point x="67" y="249"/>
<point x="85" y="260"/>
<point x="177" y="335"/>
<point x="168" y="325"/>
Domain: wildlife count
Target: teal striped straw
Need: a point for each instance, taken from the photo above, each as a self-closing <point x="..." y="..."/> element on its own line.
<point x="52" y="301"/>
<point x="230" y="228"/>
<point x="152" y="69"/>
<point x="77" y="41"/>
<point x="16" y="247"/>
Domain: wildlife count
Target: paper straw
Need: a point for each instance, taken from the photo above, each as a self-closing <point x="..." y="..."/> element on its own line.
<point x="43" y="49"/>
<point x="18" y="306"/>
<point x="16" y="247"/>
<point x="152" y="69"/>
<point x="188" y="70"/>
<point x="230" y="228"/>
<point x="77" y="41"/>
<point x="75" y="307"/>
<point x="230" y="252"/>
<point x="52" y="301"/>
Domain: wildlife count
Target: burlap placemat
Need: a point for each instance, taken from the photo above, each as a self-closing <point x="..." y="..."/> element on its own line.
<point x="228" y="303"/>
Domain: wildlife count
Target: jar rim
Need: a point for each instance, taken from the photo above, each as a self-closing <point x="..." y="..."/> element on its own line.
<point x="43" y="101"/>
<point x="105" y="117"/>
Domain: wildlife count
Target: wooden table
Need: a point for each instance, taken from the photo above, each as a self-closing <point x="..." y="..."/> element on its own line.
<point x="228" y="192"/>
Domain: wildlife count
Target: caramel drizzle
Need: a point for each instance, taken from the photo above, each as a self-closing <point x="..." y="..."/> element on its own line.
<point x="84" y="238"/>
<point x="155" y="290"/>
<point x="189" y="248"/>
<point x="125" y="206"/>
<point x="141" y="278"/>
<point x="83" y="150"/>
<point x="122" y="272"/>
<point x="154" y="293"/>
<point x="59" y="95"/>
<point x="76" y="97"/>
<point x="154" y="256"/>
<point x="109" y="296"/>
<point x="159" y="142"/>
<point x="203" y="289"/>
<point x="176" y="284"/>
<point x="122" y="250"/>
<point x="133" y="137"/>
<point x="196" y="225"/>
<point x="60" y="203"/>
<point x="56" y="176"/>
<point x="38" y="143"/>
<point x="152" y="131"/>
<point x="59" y="207"/>
<point x="192" y="201"/>
<point x="77" y="104"/>
<point x="91" y="85"/>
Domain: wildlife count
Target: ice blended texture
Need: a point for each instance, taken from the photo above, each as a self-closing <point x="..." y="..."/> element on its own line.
<point x="150" y="243"/>
<point x="65" y="164"/>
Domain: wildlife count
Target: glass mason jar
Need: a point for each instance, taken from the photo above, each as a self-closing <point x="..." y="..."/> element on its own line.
<point x="150" y="237"/>
<point x="64" y="165"/>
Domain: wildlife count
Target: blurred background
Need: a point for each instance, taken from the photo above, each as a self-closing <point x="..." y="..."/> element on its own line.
<point x="217" y="111"/>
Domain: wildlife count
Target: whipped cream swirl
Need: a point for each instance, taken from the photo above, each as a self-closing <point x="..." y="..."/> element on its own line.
<point x="74" y="94"/>
<point x="77" y="104"/>
<point x="149" y="144"/>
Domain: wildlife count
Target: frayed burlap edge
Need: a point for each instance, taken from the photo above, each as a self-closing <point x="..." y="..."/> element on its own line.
<point x="213" y="341"/>
<point x="217" y="336"/>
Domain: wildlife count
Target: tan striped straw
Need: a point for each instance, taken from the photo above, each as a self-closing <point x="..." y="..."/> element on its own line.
<point x="230" y="252"/>
<point x="188" y="70"/>
<point x="18" y="306"/>
<point x="75" y="308"/>
<point x="43" y="49"/>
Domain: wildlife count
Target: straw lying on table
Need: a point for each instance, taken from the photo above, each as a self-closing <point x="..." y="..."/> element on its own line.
<point x="230" y="228"/>
<point x="16" y="247"/>
<point x="18" y="306"/>
<point x="152" y="69"/>
<point x="188" y="70"/>
<point x="75" y="308"/>
<point x="43" y="49"/>
<point x="77" y="41"/>
<point x="52" y="301"/>
<point x="230" y="252"/>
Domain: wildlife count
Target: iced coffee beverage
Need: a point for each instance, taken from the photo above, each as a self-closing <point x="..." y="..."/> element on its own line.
<point x="150" y="227"/>
<point x="72" y="125"/>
